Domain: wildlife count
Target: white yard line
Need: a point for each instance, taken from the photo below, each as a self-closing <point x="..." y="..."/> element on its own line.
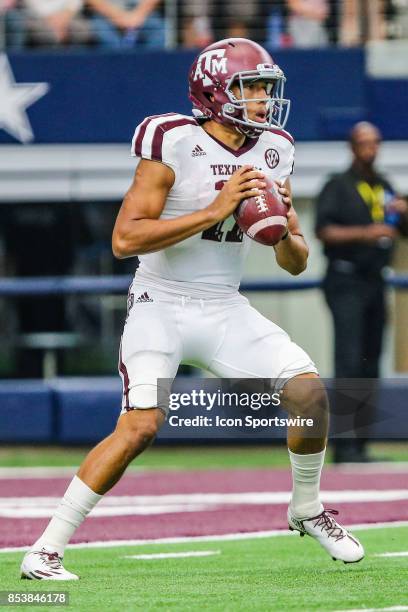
<point x="382" y="467"/>
<point x="252" y="535"/>
<point x="128" y="505"/>
<point x="392" y="609"/>
<point x="393" y="554"/>
<point x="114" y="512"/>
<point x="175" y="555"/>
<point x="52" y="472"/>
<point x="362" y="526"/>
<point x="37" y="472"/>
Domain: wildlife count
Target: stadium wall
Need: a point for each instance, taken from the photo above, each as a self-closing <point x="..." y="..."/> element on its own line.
<point x="100" y="97"/>
<point x="84" y="410"/>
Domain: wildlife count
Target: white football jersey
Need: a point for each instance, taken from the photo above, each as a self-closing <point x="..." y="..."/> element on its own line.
<point x="211" y="262"/>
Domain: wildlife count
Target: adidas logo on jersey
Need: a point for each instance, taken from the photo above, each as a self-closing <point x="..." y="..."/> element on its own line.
<point x="198" y="151"/>
<point x="144" y="298"/>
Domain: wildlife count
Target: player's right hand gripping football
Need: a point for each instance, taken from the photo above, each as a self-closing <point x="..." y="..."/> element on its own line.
<point x="244" y="183"/>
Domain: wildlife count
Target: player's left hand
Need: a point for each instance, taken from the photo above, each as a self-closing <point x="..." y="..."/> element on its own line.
<point x="286" y="198"/>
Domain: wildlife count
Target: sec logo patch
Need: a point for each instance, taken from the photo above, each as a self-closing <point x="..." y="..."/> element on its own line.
<point x="272" y="158"/>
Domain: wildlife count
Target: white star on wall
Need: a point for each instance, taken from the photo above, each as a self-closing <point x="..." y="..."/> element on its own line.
<point x="15" y="98"/>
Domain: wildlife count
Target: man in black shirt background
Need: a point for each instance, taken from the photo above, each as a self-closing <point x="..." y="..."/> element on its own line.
<point x="358" y="218"/>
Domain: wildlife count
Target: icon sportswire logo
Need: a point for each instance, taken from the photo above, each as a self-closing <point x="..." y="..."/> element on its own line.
<point x="198" y="151"/>
<point x="144" y="298"/>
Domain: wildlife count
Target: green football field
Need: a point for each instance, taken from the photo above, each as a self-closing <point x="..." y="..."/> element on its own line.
<point x="284" y="572"/>
<point x="275" y="573"/>
<point x="185" y="457"/>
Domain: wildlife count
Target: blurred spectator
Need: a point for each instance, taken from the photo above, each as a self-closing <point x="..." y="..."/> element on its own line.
<point x="333" y="20"/>
<point x="11" y="28"/>
<point x="232" y="18"/>
<point x="195" y="33"/>
<point x="358" y="218"/>
<point x="273" y="14"/>
<point x="306" y="22"/>
<point x="397" y="17"/>
<point x="127" y="23"/>
<point x="195" y="26"/>
<point x="54" y="22"/>
<point x="239" y="28"/>
<point x="362" y="21"/>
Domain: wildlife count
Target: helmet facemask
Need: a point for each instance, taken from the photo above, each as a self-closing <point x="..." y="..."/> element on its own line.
<point x="277" y="107"/>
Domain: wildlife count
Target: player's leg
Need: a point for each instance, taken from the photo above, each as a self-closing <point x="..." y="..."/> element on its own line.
<point x="150" y="351"/>
<point x="256" y="347"/>
<point x="105" y="464"/>
<point x="101" y="469"/>
<point x="305" y="396"/>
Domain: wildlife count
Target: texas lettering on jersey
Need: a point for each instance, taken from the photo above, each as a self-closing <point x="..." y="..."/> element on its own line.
<point x="215" y="258"/>
<point x="227" y="169"/>
<point x="224" y="169"/>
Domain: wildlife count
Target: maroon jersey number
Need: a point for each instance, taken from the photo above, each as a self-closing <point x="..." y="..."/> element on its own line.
<point x="215" y="231"/>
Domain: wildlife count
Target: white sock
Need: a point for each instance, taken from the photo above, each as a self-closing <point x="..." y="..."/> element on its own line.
<point x="306" y="470"/>
<point x="74" y="507"/>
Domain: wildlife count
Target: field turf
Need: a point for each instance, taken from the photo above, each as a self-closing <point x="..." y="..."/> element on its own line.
<point x="184" y="457"/>
<point x="278" y="573"/>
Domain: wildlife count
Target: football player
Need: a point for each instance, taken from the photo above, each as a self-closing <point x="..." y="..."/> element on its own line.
<point x="184" y="305"/>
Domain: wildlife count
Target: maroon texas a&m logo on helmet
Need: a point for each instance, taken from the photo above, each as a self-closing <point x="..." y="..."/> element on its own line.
<point x="210" y="63"/>
<point x="236" y="61"/>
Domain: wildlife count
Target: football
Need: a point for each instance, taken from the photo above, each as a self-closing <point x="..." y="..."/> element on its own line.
<point x="263" y="218"/>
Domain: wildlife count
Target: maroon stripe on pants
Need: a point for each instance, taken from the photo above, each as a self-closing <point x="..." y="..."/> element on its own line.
<point x="159" y="132"/>
<point x="124" y="372"/>
<point x="142" y="131"/>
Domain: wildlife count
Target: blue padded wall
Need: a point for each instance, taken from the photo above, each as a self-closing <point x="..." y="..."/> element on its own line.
<point x="27" y="412"/>
<point x="101" y="97"/>
<point x="87" y="408"/>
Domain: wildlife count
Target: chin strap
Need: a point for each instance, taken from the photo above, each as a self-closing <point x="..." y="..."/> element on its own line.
<point x="198" y="114"/>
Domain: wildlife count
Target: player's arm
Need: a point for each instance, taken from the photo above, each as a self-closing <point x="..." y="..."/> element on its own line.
<point x="291" y="252"/>
<point x="139" y="230"/>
